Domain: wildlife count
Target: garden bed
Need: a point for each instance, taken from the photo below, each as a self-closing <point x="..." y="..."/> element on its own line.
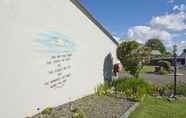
<point x="91" y="107"/>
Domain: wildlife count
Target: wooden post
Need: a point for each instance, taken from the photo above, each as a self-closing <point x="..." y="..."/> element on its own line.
<point x="175" y="69"/>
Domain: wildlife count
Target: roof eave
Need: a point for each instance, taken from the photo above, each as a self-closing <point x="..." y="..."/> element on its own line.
<point x="86" y="12"/>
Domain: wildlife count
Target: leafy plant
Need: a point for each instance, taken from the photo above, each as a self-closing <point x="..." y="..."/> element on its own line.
<point x="103" y="89"/>
<point x="154" y="90"/>
<point x="77" y="113"/>
<point x="132" y="88"/>
<point x="181" y="89"/>
<point x="168" y="89"/>
<point x="47" y="111"/>
<point x="184" y="66"/>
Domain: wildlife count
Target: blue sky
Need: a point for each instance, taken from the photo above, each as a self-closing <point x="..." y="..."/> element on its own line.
<point x="142" y="19"/>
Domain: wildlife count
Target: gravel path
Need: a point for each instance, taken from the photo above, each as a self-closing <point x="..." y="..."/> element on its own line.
<point x="164" y="79"/>
<point x="93" y="107"/>
<point x="157" y="78"/>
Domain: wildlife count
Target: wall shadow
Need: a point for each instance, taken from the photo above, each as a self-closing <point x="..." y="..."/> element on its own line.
<point x="107" y="68"/>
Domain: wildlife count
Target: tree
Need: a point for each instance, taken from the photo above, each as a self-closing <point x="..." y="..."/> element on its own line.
<point x="168" y="54"/>
<point x="156" y="44"/>
<point x="133" y="56"/>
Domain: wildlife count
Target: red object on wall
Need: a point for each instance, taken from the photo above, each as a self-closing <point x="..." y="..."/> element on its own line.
<point x="117" y="68"/>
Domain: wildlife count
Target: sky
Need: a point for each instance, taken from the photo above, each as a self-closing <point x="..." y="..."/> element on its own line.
<point x="141" y="20"/>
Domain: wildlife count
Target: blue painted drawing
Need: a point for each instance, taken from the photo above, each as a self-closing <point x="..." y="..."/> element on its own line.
<point x="55" y="42"/>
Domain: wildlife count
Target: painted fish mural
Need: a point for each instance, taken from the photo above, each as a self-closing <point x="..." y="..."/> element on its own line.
<point x="54" y="42"/>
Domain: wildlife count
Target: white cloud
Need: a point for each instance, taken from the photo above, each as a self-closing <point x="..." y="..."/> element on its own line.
<point x="173" y="22"/>
<point x="183" y="42"/>
<point x="181" y="45"/>
<point x="168" y="28"/>
<point x="144" y="33"/>
<point x="171" y="1"/>
<point x="181" y="7"/>
<point x="176" y="7"/>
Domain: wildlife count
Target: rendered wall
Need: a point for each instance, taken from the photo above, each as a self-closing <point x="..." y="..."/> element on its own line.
<point x="51" y="53"/>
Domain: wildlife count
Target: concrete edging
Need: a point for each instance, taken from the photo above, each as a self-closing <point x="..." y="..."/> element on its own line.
<point x="130" y="110"/>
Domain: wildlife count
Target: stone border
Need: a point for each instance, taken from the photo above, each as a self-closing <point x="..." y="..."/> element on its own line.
<point x="130" y="110"/>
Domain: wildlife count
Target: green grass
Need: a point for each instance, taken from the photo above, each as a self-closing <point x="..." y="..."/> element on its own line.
<point x="160" y="108"/>
<point x="148" y="69"/>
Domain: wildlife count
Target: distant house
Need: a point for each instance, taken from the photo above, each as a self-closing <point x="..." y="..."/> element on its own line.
<point x="180" y="59"/>
<point x="183" y="56"/>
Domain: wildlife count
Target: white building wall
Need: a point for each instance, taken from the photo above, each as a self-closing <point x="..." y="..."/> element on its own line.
<point x="36" y="33"/>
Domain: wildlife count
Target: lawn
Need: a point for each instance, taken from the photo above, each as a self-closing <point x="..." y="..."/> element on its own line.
<point x="148" y="69"/>
<point x="160" y="108"/>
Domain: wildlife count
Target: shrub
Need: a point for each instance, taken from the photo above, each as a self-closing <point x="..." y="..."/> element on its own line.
<point x="166" y="65"/>
<point x="154" y="90"/>
<point x="77" y="113"/>
<point x="132" y="88"/>
<point x="181" y="89"/>
<point x="47" y="111"/>
<point x="133" y="56"/>
<point x="168" y="89"/>
<point x="184" y="66"/>
<point x="134" y="70"/>
<point x="157" y="69"/>
<point x="162" y="71"/>
<point x="103" y="89"/>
